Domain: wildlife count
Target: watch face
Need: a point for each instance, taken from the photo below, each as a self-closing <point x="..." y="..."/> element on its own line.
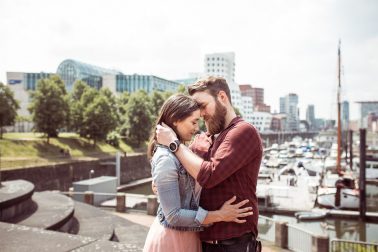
<point x="173" y="146"/>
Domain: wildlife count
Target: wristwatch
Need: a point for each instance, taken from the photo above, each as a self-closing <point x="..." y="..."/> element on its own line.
<point x="173" y="147"/>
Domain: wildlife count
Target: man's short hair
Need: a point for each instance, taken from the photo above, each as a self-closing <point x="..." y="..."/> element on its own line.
<point x="211" y="84"/>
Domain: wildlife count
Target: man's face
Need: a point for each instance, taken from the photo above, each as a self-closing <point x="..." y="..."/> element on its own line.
<point x="212" y="111"/>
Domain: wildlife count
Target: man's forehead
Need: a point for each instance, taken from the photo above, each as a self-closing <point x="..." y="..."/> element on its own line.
<point x="201" y="97"/>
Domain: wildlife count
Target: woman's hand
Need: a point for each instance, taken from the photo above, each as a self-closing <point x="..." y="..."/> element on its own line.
<point x="229" y="212"/>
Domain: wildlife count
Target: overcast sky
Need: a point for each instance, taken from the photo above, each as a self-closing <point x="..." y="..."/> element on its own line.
<point x="287" y="46"/>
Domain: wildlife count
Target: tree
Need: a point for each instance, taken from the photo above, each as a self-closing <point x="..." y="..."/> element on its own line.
<point x="122" y="101"/>
<point x="237" y="112"/>
<point x="138" y="123"/>
<point x="8" y="107"/>
<point x="156" y="101"/>
<point x="182" y="89"/>
<point x="49" y="107"/>
<point x="98" y="119"/>
<point x="76" y="108"/>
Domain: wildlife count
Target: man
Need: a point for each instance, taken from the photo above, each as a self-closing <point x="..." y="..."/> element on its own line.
<point x="228" y="164"/>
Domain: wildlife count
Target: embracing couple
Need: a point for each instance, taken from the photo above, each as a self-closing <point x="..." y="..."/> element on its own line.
<point x="207" y="190"/>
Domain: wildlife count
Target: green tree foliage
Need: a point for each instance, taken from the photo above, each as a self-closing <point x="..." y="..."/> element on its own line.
<point x="122" y="101"/>
<point x="49" y="107"/>
<point x="112" y="101"/>
<point x="157" y="99"/>
<point x="76" y="107"/>
<point x="237" y="112"/>
<point x="98" y="118"/>
<point x="8" y="107"/>
<point x="137" y="119"/>
<point x="182" y="89"/>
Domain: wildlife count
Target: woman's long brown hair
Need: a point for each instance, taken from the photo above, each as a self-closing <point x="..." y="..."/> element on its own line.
<point x="176" y="108"/>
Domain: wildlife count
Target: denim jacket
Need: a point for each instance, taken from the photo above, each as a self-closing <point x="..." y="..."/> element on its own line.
<point x="179" y="209"/>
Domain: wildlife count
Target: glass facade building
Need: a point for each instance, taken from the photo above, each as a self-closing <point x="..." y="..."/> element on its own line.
<point x="31" y="79"/>
<point x="132" y="83"/>
<point x="71" y="70"/>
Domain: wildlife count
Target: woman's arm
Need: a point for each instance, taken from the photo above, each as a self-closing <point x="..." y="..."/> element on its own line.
<point x="165" y="177"/>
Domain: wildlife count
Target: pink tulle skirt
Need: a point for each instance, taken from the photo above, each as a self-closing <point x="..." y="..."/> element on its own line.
<point x="161" y="239"/>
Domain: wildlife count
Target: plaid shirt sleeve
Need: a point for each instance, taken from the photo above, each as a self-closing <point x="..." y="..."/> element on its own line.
<point x="233" y="153"/>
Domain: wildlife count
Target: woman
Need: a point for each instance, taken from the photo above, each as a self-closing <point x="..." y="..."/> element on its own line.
<point x="179" y="217"/>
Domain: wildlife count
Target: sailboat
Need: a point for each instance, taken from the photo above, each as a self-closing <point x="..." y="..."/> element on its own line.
<point x="342" y="194"/>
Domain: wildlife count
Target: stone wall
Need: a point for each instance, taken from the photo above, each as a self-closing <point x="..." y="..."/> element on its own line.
<point x="61" y="176"/>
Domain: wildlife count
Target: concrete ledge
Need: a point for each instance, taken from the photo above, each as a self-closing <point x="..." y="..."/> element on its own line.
<point x="15" y="198"/>
<point x="50" y="211"/>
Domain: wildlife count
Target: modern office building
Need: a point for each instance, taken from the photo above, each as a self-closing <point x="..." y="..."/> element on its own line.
<point x="21" y="83"/>
<point x="223" y="65"/>
<point x="72" y="70"/>
<point x="247" y="108"/>
<point x="257" y="95"/>
<point x="262" y="121"/>
<point x="130" y="83"/>
<point x="365" y="108"/>
<point x="289" y="106"/>
<point x="97" y="77"/>
<point x="310" y="116"/>
<point x="345" y="115"/>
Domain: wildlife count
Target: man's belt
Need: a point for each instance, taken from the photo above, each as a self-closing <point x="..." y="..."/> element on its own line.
<point x="244" y="238"/>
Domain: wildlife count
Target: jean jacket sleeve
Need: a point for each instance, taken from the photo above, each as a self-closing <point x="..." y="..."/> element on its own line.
<point x="165" y="176"/>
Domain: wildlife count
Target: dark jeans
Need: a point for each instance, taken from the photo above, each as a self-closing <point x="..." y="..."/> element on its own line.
<point x="245" y="246"/>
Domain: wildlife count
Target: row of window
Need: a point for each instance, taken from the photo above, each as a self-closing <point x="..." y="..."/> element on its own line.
<point x="208" y="64"/>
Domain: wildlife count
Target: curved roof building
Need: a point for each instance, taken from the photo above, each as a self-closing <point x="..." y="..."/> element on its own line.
<point x="71" y="70"/>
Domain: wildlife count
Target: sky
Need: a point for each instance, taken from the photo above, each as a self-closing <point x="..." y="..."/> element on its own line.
<point x="283" y="46"/>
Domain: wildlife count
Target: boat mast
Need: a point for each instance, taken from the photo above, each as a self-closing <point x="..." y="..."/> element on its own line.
<point x="338" y="161"/>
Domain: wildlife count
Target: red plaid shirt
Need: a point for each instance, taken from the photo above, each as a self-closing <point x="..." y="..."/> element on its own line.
<point x="231" y="168"/>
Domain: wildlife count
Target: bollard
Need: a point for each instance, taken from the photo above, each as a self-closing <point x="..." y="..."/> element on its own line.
<point x="89" y="197"/>
<point x="70" y="192"/>
<point x="121" y="202"/>
<point x="281" y="234"/>
<point x="152" y="205"/>
<point x="320" y="243"/>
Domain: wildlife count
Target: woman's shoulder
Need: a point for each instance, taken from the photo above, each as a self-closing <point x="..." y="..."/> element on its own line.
<point x="163" y="153"/>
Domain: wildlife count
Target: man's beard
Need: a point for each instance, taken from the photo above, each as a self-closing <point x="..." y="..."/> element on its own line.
<point x="215" y="124"/>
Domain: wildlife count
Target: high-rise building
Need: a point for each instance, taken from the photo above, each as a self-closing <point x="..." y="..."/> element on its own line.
<point x="282" y="105"/>
<point x="289" y="106"/>
<point x="223" y="65"/>
<point x="365" y="108"/>
<point x="257" y="95"/>
<point x="345" y="115"/>
<point x="310" y="116"/>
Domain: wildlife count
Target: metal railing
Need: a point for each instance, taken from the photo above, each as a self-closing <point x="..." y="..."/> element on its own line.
<point x="338" y="245"/>
<point x="267" y="228"/>
<point x="299" y="239"/>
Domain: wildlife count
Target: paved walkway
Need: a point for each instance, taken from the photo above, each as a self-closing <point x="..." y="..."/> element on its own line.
<point x="146" y="220"/>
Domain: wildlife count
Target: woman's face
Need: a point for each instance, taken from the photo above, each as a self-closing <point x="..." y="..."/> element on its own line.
<point x="188" y="127"/>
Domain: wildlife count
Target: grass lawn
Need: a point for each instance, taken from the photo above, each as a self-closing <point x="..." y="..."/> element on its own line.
<point x="31" y="149"/>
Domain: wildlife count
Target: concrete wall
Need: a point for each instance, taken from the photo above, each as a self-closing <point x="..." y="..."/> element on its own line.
<point x="61" y="176"/>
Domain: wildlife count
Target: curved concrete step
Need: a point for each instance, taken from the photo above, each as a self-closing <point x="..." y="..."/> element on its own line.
<point x="50" y="210"/>
<point x="92" y="222"/>
<point x="30" y="239"/>
<point x="15" y="198"/>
